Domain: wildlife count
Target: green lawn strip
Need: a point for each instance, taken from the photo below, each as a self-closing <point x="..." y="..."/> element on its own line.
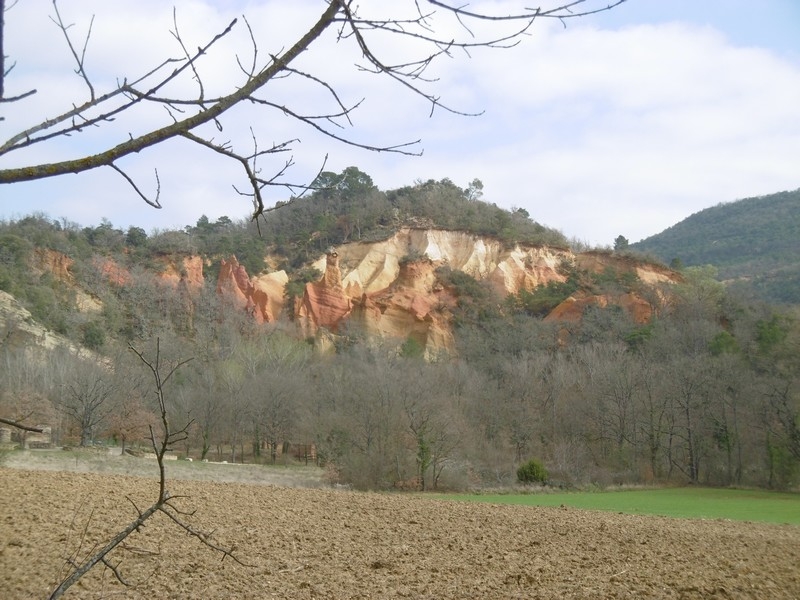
<point x="686" y="503"/>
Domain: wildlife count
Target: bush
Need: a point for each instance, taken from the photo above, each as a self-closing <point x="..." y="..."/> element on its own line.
<point x="532" y="472"/>
<point x="93" y="336"/>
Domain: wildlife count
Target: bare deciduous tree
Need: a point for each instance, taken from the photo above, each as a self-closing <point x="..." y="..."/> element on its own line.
<point x="425" y="31"/>
<point x="87" y="398"/>
<point x="163" y="437"/>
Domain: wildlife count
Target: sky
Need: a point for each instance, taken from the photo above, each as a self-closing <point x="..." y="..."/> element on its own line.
<point x="621" y="123"/>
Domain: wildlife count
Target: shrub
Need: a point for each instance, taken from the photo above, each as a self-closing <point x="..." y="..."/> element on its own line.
<point x="93" y="335"/>
<point x="412" y="348"/>
<point x="532" y="472"/>
<point x="412" y="256"/>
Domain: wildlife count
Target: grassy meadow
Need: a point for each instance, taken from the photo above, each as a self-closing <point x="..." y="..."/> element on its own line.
<point x="684" y="502"/>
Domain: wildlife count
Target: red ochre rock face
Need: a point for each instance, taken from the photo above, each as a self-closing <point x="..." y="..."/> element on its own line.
<point x="260" y="296"/>
<point x="390" y="289"/>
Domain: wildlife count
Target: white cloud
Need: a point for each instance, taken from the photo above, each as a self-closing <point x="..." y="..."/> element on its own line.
<point x="595" y="132"/>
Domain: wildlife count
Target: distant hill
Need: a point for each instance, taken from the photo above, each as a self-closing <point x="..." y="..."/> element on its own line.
<point x="754" y="242"/>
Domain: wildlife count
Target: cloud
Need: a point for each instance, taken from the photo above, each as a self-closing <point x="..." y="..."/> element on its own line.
<point x="597" y="132"/>
<point x="636" y="128"/>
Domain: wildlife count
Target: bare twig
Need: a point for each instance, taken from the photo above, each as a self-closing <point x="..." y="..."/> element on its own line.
<point x="161" y="444"/>
<point x="79" y="60"/>
<point x="178" y="128"/>
<point x="152" y="202"/>
<point x="411" y="74"/>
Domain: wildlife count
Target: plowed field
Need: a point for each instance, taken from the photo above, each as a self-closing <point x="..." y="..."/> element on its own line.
<point x="322" y="543"/>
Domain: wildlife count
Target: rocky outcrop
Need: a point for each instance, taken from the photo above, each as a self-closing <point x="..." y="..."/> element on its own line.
<point x="112" y="271"/>
<point x="325" y="303"/>
<point x="414" y="307"/>
<point x="389" y="289"/>
<point x="184" y="271"/>
<point x="641" y="305"/>
<point x="59" y="265"/>
<point x="54" y="262"/>
<point x="369" y="267"/>
<point x="647" y="273"/>
<point x="571" y="310"/>
<point x="261" y="297"/>
<point x="18" y="329"/>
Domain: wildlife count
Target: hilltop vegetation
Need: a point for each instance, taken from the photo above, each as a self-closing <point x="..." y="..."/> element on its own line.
<point x="706" y="391"/>
<point x="755" y="241"/>
<point x="348" y="207"/>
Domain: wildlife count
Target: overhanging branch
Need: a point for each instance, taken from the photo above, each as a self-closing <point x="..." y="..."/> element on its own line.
<point x="19" y="425"/>
<point x="158" y="136"/>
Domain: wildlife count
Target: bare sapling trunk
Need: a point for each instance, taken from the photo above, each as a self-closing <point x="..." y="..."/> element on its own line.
<point x="163" y="438"/>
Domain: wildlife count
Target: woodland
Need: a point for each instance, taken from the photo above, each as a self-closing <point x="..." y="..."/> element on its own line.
<point x="706" y="392"/>
<point x="754" y="242"/>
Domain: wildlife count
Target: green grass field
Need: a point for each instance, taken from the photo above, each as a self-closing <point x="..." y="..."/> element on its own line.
<point x="685" y="502"/>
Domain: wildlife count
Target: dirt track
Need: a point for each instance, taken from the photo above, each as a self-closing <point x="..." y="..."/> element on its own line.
<point x="321" y="543"/>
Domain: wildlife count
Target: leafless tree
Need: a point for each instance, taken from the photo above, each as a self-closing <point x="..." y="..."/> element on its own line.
<point x="21" y="403"/>
<point x="86" y="398"/>
<point x="162" y="437"/>
<point x="427" y="31"/>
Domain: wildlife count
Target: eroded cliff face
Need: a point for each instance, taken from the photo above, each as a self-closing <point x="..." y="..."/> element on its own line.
<point x="414" y="306"/>
<point x="184" y="271"/>
<point x="650" y="274"/>
<point x="571" y="310"/>
<point x="641" y="304"/>
<point x="325" y="303"/>
<point x="389" y="289"/>
<point x="18" y="329"/>
<point x="370" y="267"/>
<point x="261" y="297"/>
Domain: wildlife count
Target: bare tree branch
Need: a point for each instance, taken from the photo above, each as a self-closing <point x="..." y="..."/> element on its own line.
<point x="19" y="425"/>
<point x="411" y="74"/>
<point x="158" y="136"/>
<point x="80" y="60"/>
<point x="3" y="71"/>
<point x="152" y="202"/>
<point x="162" y="443"/>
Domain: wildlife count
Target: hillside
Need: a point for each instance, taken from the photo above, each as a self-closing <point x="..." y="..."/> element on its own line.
<point x="754" y="242"/>
<point x="410" y="264"/>
<point x="367" y="331"/>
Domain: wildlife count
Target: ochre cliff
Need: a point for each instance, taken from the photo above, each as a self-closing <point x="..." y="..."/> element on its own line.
<point x="182" y="271"/>
<point x="393" y="289"/>
<point x="369" y="267"/>
<point x="261" y="297"/>
<point x="648" y="273"/>
<point x="389" y="289"/>
<point x="639" y="305"/>
<point x="571" y="310"/>
<point x="325" y="303"/>
<point x="59" y="265"/>
<point x="414" y="306"/>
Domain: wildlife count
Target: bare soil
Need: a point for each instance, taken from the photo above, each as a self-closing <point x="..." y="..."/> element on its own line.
<point x="306" y="542"/>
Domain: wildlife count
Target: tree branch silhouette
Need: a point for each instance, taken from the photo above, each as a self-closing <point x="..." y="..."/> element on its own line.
<point x="188" y="114"/>
<point x="162" y="438"/>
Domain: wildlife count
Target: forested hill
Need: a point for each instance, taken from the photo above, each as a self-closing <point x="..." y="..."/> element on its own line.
<point x="599" y="366"/>
<point x="755" y="241"/>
